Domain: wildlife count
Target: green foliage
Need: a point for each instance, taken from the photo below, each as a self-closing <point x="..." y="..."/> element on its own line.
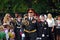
<point x="22" y="6"/>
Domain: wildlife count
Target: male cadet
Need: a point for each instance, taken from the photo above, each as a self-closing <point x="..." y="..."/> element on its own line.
<point x="43" y="30"/>
<point x="30" y="27"/>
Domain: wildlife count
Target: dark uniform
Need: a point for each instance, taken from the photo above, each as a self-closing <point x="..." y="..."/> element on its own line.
<point x="17" y="29"/>
<point x="43" y="31"/>
<point x="30" y="30"/>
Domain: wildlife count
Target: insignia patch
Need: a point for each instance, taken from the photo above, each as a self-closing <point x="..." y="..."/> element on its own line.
<point x="45" y="22"/>
<point x="47" y="35"/>
<point x="39" y="38"/>
<point x="45" y="28"/>
<point x="43" y="35"/>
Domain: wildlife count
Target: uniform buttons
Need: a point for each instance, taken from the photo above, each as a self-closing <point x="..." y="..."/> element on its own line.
<point x="43" y="35"/>
<point x="29" y="28"/>
<point x="47" y="35"/>
<point x="45" y="28"/>
<point x="39" y="38"/>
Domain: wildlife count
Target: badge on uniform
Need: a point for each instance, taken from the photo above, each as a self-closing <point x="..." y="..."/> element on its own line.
<point x="34" y="21"/>
<point x="39" y="38"/>
<point x="45" y="28"/>
<point x="42" y="24"/>
<point x="45" y="23"/>
<point x="43" y="35"/>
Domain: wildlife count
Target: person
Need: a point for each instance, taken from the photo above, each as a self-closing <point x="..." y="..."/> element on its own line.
<point x="25" y="16"/>
<point x="2" y="33"/>
<point x="58" y="28"/>
<point x="42" y="29"/>
<point x="51" y="25"/>
<point x="18" y="27"/>
<point x="30" y="26"/>
<point x="55" y="18"/>
<point x="7" y="19"/>
<point x="14" y="24"/>
<point x="16" y="14"/>
<point x="6" y="30"/>
<point x="11" y="33"/>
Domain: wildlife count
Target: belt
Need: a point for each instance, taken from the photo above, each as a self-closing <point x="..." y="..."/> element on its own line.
<point x="30" y="31"/>
<point x="18" y="27"/>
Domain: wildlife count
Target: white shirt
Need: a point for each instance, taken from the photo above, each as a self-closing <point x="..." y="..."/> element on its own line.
<point x="50" y="22"/>
<point x="30" y="18"/>
<point x="58" y="24"/>
<point x="6" y="32"/>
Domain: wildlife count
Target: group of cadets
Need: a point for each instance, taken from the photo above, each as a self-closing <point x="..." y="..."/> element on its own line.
<point x="30" y="27"/>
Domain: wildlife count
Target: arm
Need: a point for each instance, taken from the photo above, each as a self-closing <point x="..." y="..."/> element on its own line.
<point x="53" y="22"/>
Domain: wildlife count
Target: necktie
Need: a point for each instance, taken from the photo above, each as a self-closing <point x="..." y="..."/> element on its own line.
<point x="29" y="18"/>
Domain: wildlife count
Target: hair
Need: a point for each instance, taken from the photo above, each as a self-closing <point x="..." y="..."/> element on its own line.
<point x="25" y="15"/>
<point x="31" y="9"/>
<point x="6" y="18"/>
<point x="50" y="15"/>
<point x="19" y="15"/>
<point x="1" y="28"/>
<point x="25" y="22"/>
<point x="11" y="27"/>
<point x="58" y="15"/>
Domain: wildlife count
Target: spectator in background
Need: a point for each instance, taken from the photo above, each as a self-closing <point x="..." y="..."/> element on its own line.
<point x="45" y="17"/>
<point x="11" y="33"/>
<point x="55" y="18"/>
<point x="6" y="23"/>
<point x="2" y="33"/>
<point x="51" y="25"/>
<point x="16" y="15"/>
<point x="7" y="19"/>
<point x="6" y="30"/>
<point x="58" y="28"/>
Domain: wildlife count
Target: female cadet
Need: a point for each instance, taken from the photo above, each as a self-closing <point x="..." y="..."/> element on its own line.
<point x="43" y="33"/>
<point x="18" y="27"/>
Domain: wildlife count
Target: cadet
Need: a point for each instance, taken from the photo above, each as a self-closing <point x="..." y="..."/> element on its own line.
<point x="43" y="30"/>
<point x="30" y="26"/>
<point x="17" y="24"/>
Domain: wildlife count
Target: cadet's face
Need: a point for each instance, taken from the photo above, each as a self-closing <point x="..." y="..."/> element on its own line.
<point x="16" y="15"/>
<point x="30" y="13"/>
<point x="43" y="18"/>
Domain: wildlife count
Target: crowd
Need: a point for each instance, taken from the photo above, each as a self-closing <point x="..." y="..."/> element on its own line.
<point x="30" y="27"/>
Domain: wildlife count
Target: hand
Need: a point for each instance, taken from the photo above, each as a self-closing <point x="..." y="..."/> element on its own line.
<point x="52" y="30"/>
<point x="34" y="21"/>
